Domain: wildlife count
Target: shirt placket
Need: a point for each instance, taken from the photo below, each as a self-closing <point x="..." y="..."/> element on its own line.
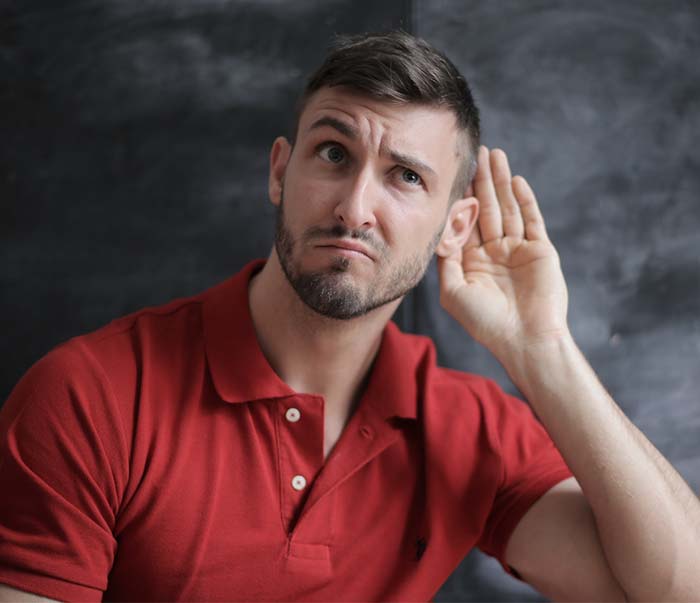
<point x="300" y="432"/>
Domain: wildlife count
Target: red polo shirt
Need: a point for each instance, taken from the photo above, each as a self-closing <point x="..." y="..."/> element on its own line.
<point x="161" y="458"/>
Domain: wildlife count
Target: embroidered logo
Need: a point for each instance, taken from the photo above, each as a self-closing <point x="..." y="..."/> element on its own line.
<point x="421" y="545"/>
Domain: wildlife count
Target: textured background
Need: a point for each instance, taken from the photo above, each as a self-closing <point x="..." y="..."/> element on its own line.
<point x="133" y="162"/>
<point x="598" y="104"/>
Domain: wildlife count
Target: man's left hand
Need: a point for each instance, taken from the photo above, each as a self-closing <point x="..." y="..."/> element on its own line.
<point x="505" y="286"/>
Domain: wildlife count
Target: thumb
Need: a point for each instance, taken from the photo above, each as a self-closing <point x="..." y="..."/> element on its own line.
<point x="450" y="274"/>
<point x="457" y="296"/>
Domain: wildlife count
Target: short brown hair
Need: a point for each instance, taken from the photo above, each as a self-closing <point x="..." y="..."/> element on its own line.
<point x="398" y="67"/>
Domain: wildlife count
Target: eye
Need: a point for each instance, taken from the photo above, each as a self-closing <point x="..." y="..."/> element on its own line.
<point x="410" y="177"/>
<point x="331" y="152"/>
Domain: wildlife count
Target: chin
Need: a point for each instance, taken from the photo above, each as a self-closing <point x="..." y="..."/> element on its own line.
<point x="335" y="264"/>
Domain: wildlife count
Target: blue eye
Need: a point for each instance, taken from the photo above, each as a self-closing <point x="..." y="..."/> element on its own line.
<point x="410" y="177"/>
<point x="332" y="152"/>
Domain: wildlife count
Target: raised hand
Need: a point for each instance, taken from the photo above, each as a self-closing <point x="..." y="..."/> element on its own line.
<point x="505" y="286"/>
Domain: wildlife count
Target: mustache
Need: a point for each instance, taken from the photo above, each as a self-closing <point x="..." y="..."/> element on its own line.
<point x="341" y="232"/>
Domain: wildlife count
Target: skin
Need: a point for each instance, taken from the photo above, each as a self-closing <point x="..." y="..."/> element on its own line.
<point x="627" y="527"/>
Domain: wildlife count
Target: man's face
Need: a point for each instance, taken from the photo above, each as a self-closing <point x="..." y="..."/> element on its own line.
<point x="363" y="199"/>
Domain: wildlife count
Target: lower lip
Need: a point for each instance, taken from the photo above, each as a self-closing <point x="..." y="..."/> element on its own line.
<point x="350" y="253"/>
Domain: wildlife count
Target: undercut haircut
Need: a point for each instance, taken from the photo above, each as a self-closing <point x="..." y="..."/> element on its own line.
<point x="401" y="68"/>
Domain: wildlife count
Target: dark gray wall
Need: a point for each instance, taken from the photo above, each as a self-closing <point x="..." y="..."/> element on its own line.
<point x="133" y="156"/>
<point x="134" y="141"/>
<point x="598" y="104"/>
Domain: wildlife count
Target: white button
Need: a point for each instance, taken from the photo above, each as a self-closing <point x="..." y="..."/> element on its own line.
<point x="298" y="482"/>
<point x="292" y="415"/>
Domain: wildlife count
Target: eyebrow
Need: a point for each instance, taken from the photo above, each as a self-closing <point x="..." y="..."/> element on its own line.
<point x="341" y="126"/>
<point x="353" y="133"/>
<point x="411" y="162"/>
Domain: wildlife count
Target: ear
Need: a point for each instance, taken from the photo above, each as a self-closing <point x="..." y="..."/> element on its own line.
<point x="279" y="157"/>
<point x="461" y="219"/>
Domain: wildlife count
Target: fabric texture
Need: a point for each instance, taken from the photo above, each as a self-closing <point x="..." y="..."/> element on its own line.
<point x="155" y="459"/>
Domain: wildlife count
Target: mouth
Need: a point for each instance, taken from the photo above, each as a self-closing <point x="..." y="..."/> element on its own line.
<point x="347" y="248"/>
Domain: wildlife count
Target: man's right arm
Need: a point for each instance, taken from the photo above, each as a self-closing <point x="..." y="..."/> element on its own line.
<point x="12" y="595"/>
<point x="62" y="451"/>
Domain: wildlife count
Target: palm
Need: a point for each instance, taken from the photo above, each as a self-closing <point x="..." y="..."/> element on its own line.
<point x="506" y="283"/>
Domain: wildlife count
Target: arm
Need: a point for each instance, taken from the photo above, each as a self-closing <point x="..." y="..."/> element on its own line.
<point x="648" y="519"/>
<point x="506" y="288"/>
<point x="61" y="478"/>
<point x="555" y="548"/>
<point x="12" y="595"/>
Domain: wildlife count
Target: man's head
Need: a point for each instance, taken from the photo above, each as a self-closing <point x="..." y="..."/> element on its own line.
<point x="400" y="68"/>
<point x="375" y="179"/>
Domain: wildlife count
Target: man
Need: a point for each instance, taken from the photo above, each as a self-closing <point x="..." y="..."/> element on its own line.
<point x="277" y="438"/>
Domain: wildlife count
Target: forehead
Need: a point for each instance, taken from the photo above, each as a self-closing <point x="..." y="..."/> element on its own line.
<point x="414" y="127"/>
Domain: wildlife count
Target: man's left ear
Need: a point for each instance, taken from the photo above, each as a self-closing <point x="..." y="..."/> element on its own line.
<point x="461" y="220"/>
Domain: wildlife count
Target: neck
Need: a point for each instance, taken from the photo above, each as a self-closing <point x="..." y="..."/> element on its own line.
<point x="310" y="352"/>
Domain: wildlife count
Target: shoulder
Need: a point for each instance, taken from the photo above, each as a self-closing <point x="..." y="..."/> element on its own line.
<point x="451" y="387"/>
<point x="470" y="406"/>
<point x="156" y="325"/>
<point x="141" y="340"/>
<point x="441" y="385"/>
<point x="92" y="369"/>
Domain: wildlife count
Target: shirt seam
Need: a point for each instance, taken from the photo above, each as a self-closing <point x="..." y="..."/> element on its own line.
<point x="122" y="433"/>
<point x="275" y="422"/>
<point x="132" y="323"/>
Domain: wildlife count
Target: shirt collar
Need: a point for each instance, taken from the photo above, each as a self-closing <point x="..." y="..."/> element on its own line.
<point x="241" y="373"/>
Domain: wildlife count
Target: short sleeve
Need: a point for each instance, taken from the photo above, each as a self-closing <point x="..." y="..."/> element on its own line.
<point x="63" y="466"/>
<point x="531" y="465"/>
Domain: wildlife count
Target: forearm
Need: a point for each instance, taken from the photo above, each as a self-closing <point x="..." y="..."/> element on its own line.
<point x="648" y="518"/>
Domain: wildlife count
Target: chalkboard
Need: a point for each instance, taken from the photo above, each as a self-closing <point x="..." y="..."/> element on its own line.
<point x="133" y="170"/>
<point x="135" y="141"/>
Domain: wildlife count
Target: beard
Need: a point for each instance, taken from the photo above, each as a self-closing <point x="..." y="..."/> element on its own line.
<point x="331" y="292"/>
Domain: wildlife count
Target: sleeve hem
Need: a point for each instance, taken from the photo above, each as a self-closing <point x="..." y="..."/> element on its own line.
<point x="538" y="489"/>
<point x="48" y="586"/>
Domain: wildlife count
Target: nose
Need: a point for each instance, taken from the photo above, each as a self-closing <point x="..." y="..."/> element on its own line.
<point x="356" y="206"/>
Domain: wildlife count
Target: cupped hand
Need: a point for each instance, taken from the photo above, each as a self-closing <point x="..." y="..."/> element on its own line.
<point x="505" y="286"/>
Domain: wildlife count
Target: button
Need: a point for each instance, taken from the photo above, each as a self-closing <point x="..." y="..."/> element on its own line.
<point x="298" y="482"/>
<point x="292" y="415"/>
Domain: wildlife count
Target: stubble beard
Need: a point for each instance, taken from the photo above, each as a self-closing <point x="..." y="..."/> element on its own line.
<point x="330" y="292"/>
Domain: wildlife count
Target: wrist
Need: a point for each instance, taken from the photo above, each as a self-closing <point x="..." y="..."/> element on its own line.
<point x="519" y="348"/>
<point x="540" y="358"/>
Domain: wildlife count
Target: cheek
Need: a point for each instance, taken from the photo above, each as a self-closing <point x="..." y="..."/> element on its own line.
<point x="402" y="225"/>
<point x="311" y="195"/>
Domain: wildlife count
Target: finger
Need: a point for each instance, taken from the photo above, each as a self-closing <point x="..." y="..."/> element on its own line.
<point x="490" y="221"/>
<point x="513" y="225"/>
<point x="532" y="217"/>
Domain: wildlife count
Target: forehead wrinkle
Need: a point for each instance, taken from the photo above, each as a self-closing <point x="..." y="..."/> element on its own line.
<point x="362" y="119"/>
<point x="374" y="135"/>
<point x="341" y="126"/>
